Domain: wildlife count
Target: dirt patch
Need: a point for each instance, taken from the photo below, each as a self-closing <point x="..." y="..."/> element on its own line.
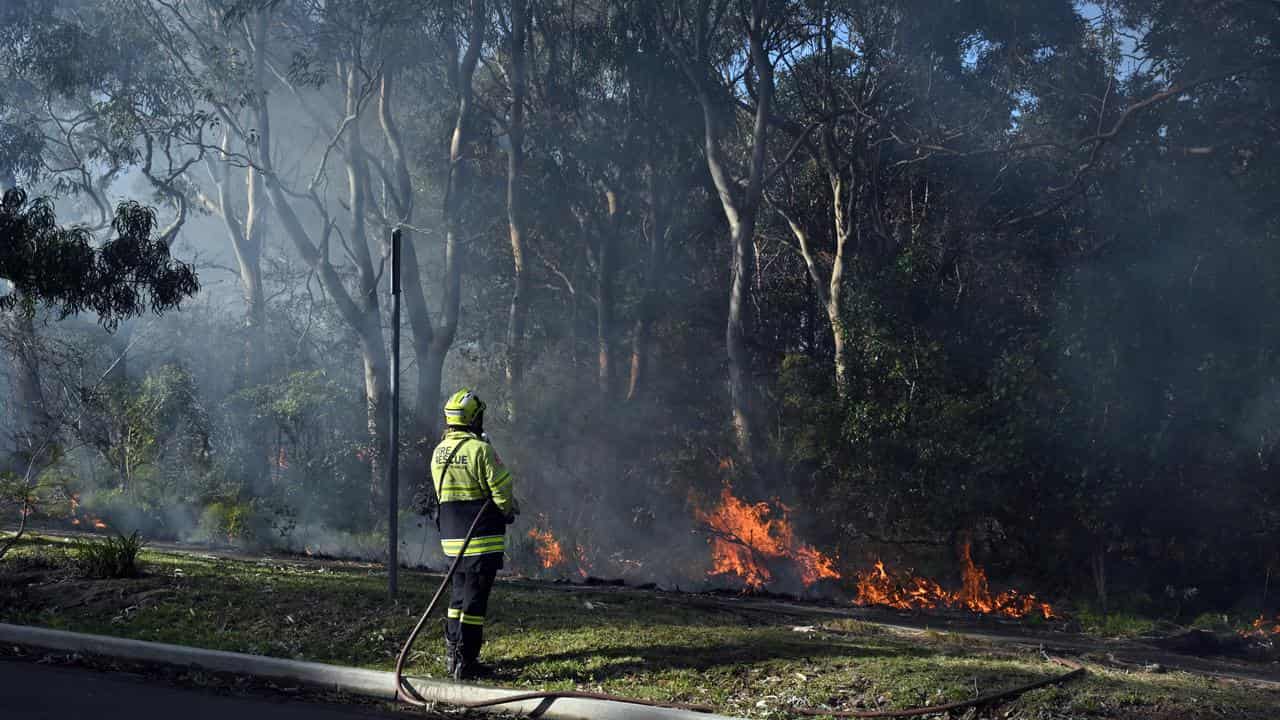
<point x="52" y="587"/>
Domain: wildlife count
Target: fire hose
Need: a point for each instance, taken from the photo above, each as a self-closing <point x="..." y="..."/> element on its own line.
<point x="406" y="692"/>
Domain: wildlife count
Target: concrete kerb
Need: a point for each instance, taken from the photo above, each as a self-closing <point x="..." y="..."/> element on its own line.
<point x="370" y="683"/>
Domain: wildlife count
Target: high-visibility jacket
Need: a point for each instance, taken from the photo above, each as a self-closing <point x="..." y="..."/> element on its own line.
<point x="466" y="472"/>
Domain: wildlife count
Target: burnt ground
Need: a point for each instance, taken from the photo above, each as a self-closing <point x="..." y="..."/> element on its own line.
<point x="732" y="651"/>
<point x="1223" y="655"/>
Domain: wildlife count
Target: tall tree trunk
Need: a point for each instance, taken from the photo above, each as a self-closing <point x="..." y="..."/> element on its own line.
<point x="740" y="213"/>
<point x="604" y="294"/>
<point x="515" y="217"/>
<point x="845" y="186"/>
<point x="641" y="342"/>
<point x="828" y="292"/>
<point x="360" y="313"/>
<point x="373" y="350"/>
<point x="431" y="344"/>
<point x="415" y="297"/>
<point x="1098" y="568"/>
<point x="249" y="259"/>
<point x="246" y="244"/>
<point x="835" y="290"/>
<point x="657" y="195"/>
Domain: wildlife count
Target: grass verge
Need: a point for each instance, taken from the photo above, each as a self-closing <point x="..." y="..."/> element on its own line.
<point x="744" y="661"/>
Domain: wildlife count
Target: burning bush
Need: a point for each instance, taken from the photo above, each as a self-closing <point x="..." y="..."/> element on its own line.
<point x="554" y="554"/>
<point x="748" y="539"/>
<point x="1264" y="628"/>
<point x="904" y="591"/>
<point x="548" y="549"/>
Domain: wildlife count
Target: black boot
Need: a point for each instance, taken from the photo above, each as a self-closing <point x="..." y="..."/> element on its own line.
<point x="451" y="652"/>
<point x="468" y="665"/>
<point x="471" y="669"/>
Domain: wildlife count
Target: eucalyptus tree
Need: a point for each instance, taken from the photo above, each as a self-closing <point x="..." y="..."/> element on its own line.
<point x="461" y="31"/>
<point x="516" y="20"/>
<point x="727" y="54"/>
<point x="596" y="71"/>
<point x="242" y="56"/>
<point x="88" y="101"/>
<point x="45" y="265"/>
<point x="83" y="105"/>
<point x="1167" y="308"/>
<point x="638" y="159"/>
<point x="892" y="105"/>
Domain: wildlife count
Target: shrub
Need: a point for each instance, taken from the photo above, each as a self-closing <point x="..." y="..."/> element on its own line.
<point x="1115" y="623"/>
<point x="227" y="521"/>
<point x="1213" y="622"/>
<point x="110" y="557"/>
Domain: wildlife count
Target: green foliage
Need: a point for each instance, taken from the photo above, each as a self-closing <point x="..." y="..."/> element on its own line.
<point x="123" y="278"/>
<point x="154" y="437"/>
<point x="12" y="488"/>
<point x="297" y="399"/>
<point x="1215" y="622"/>
<point x="1114" y="624"/>
<point x="227" y="521"/>
<point x="109" y="557"/>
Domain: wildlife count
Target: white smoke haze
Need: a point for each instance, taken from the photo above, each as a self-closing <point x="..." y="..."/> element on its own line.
<point x="961" y="323"/>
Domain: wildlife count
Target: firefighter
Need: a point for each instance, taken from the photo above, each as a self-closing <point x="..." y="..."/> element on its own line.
<point x="467" y="472"/>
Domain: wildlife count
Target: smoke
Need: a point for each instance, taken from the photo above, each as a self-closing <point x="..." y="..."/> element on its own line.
<point x="1065" y="389"/>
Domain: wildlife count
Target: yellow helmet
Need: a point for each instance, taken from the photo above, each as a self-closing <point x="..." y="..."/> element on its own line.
<point x="463" y="409"/>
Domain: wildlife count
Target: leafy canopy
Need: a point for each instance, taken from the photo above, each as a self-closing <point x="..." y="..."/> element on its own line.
<point x="56" y="266"/>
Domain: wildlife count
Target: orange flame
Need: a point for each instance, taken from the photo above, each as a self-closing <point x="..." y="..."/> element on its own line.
<point x="97" y="523"/>
<point x="1262" y="627"/>
<point x="878" y="587"/>
<point x="547" y="547"/>
<point x="748" y="537"/>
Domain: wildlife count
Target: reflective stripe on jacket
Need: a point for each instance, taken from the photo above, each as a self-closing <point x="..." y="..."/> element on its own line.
<point x="466" y="471"/>
<point x="465" y="467"/>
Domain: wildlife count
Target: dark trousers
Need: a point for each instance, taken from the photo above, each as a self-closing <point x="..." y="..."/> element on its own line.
<point x="468" y="603"/>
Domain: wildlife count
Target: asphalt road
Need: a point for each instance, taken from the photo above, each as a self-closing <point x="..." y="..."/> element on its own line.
<point x="30" y="691"/>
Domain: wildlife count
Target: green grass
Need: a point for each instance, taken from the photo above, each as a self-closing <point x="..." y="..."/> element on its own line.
<point x="1114" y="624"/>
<point x="744" y="661"/>
<point x="109" y="557"/>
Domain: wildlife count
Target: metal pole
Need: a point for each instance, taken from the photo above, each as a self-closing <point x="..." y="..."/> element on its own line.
<point x="393" y="452"/>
